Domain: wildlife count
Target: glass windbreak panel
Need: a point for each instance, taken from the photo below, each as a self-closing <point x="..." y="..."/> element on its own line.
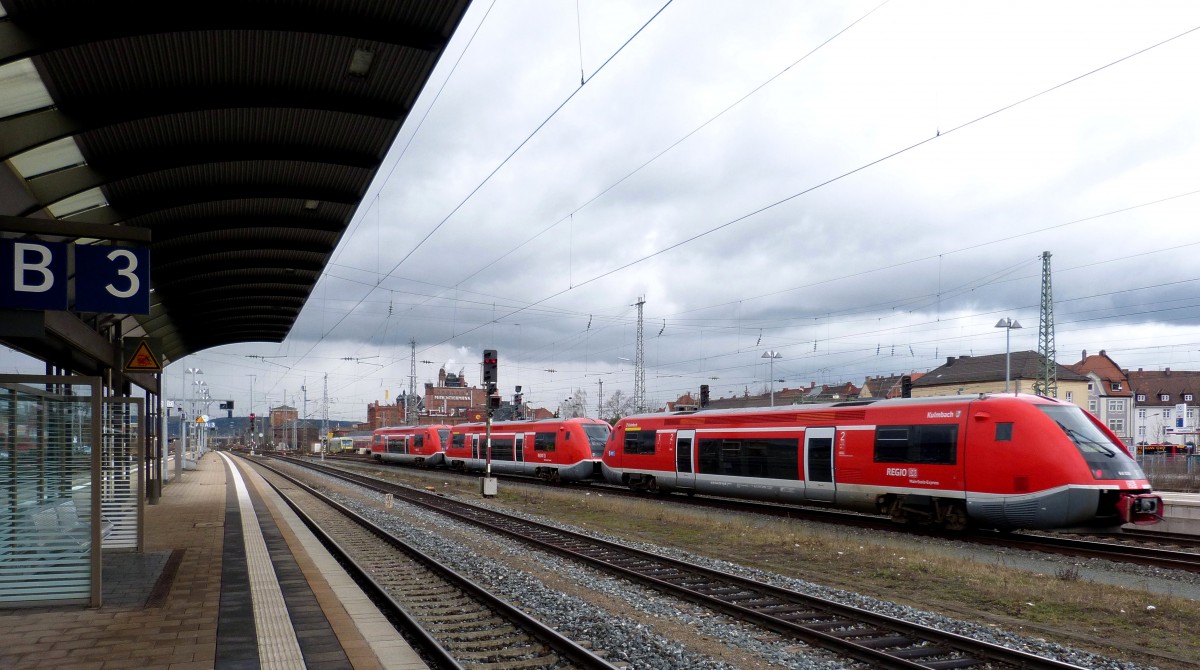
<point x="1105" y="458"/>
<point x="46" y="507"/>
<point x="597" y="435"/>
<point x="120" y="463"/>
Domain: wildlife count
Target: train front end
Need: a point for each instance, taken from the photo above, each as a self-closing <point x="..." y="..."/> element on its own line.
<point x="1124" y="493"/>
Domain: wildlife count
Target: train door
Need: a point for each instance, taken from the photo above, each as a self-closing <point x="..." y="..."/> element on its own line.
<point x="685" y="469"/>
<point x="818" y="463"/>
<point x="519" y="447"/>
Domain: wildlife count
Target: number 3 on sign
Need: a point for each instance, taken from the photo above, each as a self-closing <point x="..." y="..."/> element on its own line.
<point x="118" y="279"/>
<point x="126" y="273"/>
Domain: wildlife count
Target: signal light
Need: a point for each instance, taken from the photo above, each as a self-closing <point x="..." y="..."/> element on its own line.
<point x="494" y="402"/>
<point x="490" y="362"/>
<point x="704" y="395"/>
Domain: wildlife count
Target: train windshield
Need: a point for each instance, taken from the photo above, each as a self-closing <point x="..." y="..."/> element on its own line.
<point x="444" y="436"/>
<point x="597" y="435"/>
<point x="1105" y="459"/>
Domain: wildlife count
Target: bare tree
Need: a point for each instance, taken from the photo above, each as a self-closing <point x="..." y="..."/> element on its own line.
<point x="618" y="405"/>
<point x="575" y="406"/>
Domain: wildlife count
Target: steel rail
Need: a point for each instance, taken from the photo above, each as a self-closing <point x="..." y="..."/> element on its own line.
<point x="877" y="639"/>
<point x="581" y="657"/>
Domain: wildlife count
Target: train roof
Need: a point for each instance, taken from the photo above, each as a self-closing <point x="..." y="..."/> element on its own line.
<point x="844" y="404"/>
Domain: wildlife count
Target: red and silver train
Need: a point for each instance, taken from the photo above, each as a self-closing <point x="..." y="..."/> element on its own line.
<point x="411" y="445"/>
<point x="993" y="461"/>
<point x="553" y="449"/>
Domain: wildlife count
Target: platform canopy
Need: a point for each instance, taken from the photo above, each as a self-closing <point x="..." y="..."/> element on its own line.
<point x="242" y="134"/>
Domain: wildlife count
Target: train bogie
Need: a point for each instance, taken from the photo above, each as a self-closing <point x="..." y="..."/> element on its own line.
<point x="1008" y="461"/>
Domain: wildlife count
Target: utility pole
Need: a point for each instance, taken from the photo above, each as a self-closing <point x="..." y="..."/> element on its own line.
<point x="600" y="400"/>
<point x="325" y="412"/>
<point x="639" y="363"/>
<point x="1047" y="379"/>
<point x="409" y="409"/>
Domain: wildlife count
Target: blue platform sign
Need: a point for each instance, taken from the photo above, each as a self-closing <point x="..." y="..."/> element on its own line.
<point x="33" y="274"/>
<point x="113" y="280"/>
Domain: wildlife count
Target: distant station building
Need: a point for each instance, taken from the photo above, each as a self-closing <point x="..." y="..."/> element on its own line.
<point x="451" y="400"/>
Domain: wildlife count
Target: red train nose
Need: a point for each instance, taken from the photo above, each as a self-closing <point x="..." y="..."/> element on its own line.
<point x="1141" y="509"/>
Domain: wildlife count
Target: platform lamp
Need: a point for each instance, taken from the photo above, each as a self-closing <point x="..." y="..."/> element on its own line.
<point x="771" y="354"/>
<point x="1008" y="324"/>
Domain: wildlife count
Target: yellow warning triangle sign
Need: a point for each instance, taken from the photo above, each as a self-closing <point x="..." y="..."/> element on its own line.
<point x="143" y="360"/>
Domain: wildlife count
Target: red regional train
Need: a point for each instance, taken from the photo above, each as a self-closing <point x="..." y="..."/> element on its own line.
<point x="411" y="445"/>
<point x="553" y="449"/>
<point x="994" y="461"/>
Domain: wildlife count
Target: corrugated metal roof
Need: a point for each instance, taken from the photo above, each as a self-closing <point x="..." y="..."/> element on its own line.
<point x="212" y="129"/>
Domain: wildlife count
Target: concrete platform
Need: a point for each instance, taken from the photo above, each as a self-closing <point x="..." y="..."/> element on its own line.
<point x="229" y="578"/>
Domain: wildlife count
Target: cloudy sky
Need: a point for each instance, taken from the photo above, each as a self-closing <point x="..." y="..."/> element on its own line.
<point x="864" y="188"/>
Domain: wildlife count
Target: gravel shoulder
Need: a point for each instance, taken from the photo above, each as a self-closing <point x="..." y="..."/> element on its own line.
<point x="1114" y="616"/>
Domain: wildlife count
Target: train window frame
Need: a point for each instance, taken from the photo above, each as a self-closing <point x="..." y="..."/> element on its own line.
<point x="749" y="456"/>
<point x="1004" y="431"/>
<point x="544" y="441"/>
<point x="640" y="442"/>
<point x="917" y="444"/>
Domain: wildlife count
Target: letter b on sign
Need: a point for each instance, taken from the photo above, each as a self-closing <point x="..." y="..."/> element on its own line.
<point x="33" y="274"/>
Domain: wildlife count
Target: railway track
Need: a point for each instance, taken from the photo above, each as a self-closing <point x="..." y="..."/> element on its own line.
<point x="1129" y="546"/>
<point x="873" y="639"/>
<point x="454" y="622"/>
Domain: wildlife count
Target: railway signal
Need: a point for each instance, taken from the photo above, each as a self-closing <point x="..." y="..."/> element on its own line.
<point x="490" y="375"/>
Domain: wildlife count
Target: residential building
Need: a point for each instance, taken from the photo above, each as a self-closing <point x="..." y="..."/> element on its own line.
<point x="1164" y="406"/>
<point x="886" y="387"/>
<point x="790" y="396"/>
<point x="968" y="375"/>
<point x="1110" y="395"/>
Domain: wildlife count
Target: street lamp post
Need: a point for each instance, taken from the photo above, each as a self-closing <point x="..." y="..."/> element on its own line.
<point x="1008" y="324"/>
<point x="772" y="355"/>
<point x="192" y="399"/>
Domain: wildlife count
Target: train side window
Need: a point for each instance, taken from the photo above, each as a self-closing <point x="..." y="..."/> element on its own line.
<point x="1004" y="432"/>
<point x="457" y="441"/>
<point x="936" y="444"/>
<point x="502" y="448"/>
<point x="543" y="441"/>
<point x="639" y="441"/>
<point x="769" y="458"/>
<point x="418" y="441"/>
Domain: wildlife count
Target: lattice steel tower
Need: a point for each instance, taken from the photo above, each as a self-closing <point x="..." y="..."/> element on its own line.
<point x="1047" y="378"/>
<point x="639" y="363"/>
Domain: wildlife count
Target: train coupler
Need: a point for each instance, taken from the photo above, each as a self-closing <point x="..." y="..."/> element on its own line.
<point x="1140" y="508"/>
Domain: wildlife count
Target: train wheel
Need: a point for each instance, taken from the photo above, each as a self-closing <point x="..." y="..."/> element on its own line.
<point x="955" y="517"/>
